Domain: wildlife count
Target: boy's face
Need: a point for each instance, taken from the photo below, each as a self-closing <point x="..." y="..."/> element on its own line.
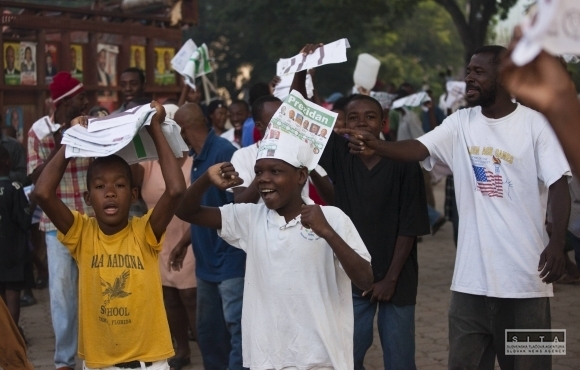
<point x="364" y="115"/>
<point x="238" y="114"/>
<point x="268" y="112"/>
<point x="279" y="183"/>
<point x="218" y="117"/>
<point x="110" y="194"/>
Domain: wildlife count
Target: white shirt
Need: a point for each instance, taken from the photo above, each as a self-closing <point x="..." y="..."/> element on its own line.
<point x="297" y="308"/>
<point x="410" y="126"/>
<point x="230" y="136"/>
<point x="502" y="170"/>
<point x="244" y="161"/>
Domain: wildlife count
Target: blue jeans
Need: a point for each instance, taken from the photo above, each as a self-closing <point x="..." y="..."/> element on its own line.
<point x="63" y="290"/>
<point x="434" y="215"/>
<point x="219" y="326"/>
<point x="396" y="326"/>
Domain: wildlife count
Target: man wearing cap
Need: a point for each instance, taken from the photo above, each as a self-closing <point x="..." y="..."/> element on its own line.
<point x="69" y="98"/>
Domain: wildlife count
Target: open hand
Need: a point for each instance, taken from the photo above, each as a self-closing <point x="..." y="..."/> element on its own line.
<point x="552" y="263"/>
<point x="360" y="142"/>
<point x="311" y="217"/>
<point x="176" y="258"/>
<point x="224" y="176"/>
<point x="310" y="48"/>
<point x="159" y="116"/>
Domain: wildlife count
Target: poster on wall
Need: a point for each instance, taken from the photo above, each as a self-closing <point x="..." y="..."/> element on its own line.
<point x="11" y="63"/>
<point x="138" y="57"/>
<point x="107" y="74"/>
<point x="51" y="60"/>
<point x="164" y="75"/>
<point x="28" y="63"/>
<point x="15" y="119"/>
<point x="76" y="61"/>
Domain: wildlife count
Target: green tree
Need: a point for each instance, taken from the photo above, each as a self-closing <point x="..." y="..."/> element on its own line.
<point x="472" y="18"/>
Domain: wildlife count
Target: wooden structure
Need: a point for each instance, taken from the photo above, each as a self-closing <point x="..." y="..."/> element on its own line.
<point x="63" y="27"/>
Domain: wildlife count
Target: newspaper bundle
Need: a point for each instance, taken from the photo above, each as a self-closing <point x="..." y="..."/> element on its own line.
<point x="123" y="134"/>
<point x="298" y="132"/>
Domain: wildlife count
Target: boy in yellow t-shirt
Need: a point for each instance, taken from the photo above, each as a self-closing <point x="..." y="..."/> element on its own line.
<point x="122" y="321"/>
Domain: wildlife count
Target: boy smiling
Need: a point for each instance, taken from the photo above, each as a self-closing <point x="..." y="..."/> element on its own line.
<point x="301" y="258"/>
<point x="121" y="316"/>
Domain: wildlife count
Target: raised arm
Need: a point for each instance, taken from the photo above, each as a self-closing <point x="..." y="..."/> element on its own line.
<point x="248" y="194"/>
<point x="357" y="268"/>
<point x="172" y="175"/>
<point x="221" y="175"/>
<point x="45" y="192"/>
<point x="363" y="142"/>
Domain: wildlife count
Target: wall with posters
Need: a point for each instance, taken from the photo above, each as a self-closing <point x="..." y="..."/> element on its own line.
<point x="11" y="63"/>
<point x="76" y="61"/>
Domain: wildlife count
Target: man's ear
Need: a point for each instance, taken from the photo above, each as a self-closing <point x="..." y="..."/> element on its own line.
<point x="87" y="197"/>
<point x="134" y="195"/>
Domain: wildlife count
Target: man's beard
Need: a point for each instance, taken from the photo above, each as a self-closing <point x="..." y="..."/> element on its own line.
<point x="486" y="98"/>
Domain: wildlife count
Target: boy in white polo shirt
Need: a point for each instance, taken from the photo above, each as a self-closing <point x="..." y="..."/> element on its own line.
<point x="301" y="259"/>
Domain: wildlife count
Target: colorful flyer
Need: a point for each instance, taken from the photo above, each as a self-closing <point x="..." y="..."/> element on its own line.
<point x="138" y="57"/>
<point x="28" y="63"/>
<point x="164" y="74"/>
<point x="15" y="118"/>
<point x="76" y="61"/>
<point x="11" y="63"/>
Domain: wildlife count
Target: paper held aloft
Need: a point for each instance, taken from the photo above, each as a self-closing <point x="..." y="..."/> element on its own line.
<point x="123" y="134"/>
<point x="335" y="52"/>
<point x="192" y="61"/>
<point x="554" y="27"/>
<point x="414" y="100"/>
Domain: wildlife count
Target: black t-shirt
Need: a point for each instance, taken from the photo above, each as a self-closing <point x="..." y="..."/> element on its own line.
<point x="383" y="203"/>
<point x="14" y="225"/>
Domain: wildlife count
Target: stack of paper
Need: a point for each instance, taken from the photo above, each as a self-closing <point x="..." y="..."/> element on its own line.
<point x="122" y="134"/>
<point x="191" y="62"/>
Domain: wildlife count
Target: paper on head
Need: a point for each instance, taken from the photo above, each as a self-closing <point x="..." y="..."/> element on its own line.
<point x="555" y="27"/>
<point x="192" y="62"/>
<point x="335" y="52"/>
<point x="298" y="132"/>
<point x="414" y="100"/>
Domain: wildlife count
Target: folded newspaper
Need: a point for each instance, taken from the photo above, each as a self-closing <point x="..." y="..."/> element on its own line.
<point x="414" y="100"/>
<point x="123" y="134"/>
<point x="298" y="132"/>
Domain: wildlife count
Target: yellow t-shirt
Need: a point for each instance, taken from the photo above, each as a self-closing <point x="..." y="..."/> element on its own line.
<point x="121" y="313"/>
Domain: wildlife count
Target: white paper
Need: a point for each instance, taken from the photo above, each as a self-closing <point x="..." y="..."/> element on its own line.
<point x="414" y="100"/>
<point x="335" y="52"/>
<point x="44" y="127"/>
<point x="122" y="134"/>
<point x="384" y="98"/>
<point x="455" y="92"/>
<point x="191" y="62"/>
<point x="282" y="89"/>
<point x="180" y="59"/>
<point x="555" y="28"/>
<point x="298" y="132"/>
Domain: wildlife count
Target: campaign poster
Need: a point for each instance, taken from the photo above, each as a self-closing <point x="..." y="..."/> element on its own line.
<point x="76" y="61"/>
<point x="11" y="63"/>
<point x="28" y="63"/>
<point x="51" y="61"/>
<point x="107" y="74"/>
<point x="15" y="118"/>
<point x="164" y="74"/>
<point x="138" y="57"/>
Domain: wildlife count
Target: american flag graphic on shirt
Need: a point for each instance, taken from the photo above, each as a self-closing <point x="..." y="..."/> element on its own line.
<point x="488" y="183"/>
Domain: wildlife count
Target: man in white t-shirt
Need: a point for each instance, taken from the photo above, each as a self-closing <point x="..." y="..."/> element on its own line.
<point x="505" y="159"/>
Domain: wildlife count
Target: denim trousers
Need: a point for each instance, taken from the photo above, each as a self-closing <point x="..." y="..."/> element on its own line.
<point x="434" y="215"/>
<point x="477" y="327"/>
<point x="219" y="323"/>
<point x="396" y="326"/>
<point x="63" y="290"/>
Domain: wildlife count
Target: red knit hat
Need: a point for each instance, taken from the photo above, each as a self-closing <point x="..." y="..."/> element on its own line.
<point x="64" y="85"/>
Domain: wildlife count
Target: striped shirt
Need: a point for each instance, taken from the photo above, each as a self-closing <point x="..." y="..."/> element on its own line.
<point x="73" y="182"/>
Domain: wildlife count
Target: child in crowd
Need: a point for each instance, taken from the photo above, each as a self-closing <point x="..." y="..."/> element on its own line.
<point x="122" y="321"/>
<point x="238" y="112"/>
<point x="15" y="222"/>
<point x="297" y="310"/>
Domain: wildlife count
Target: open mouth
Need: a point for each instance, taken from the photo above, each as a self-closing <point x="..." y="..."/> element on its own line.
<point x="267" y="194"/>
<point x="111" y="209"/>
<point x="471" y="91"/>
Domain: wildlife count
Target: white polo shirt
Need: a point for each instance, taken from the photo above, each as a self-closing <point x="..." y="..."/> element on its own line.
<point x="297" y="308"/>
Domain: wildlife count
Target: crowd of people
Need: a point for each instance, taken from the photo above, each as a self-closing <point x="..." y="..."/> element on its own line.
<point x="271" y="264"/>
